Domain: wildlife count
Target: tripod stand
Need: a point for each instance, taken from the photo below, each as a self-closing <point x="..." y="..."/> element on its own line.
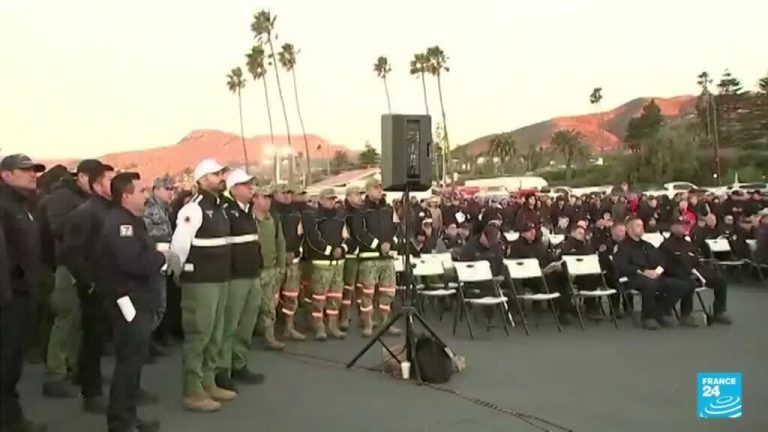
<point x="408" y="312"/>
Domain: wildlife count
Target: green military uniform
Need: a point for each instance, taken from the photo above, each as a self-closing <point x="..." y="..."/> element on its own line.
<point x="352" y="288"/>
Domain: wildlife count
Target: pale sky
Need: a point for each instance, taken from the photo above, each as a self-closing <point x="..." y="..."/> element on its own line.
<point x="87" y="77"/>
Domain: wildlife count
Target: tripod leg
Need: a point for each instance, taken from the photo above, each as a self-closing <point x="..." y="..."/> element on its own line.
<point x="376" y="338"/>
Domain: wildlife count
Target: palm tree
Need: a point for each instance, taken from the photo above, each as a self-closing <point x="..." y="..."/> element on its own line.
<point x="503" y="147"/>
<point x="382" y="69"/>
<point x="256" y="64"/>
<point x="287" y="59"/>
<point x="235" y="84"/>
<point x="419" y="67"/>
<point x="437" y="63"/>
<point x="569" y="143"/>
<point x="595" y="98"/>
<point x="263" y="26"/>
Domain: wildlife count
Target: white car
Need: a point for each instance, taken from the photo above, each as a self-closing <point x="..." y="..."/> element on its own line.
<point x="673" y="188"/>
<point x="747" y="187"/>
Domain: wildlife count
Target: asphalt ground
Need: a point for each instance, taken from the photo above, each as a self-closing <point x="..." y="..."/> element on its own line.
<point x="601" y="379"/>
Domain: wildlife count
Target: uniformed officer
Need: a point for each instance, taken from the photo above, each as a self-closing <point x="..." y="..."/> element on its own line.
<point x="245" y="293"/>
<point x="83" y="229"/>
<point x="374" y="229"/>
<point x="683" y="261"/>
<point x="353" y="203"/>
<point x="19" y="252"/>
<point x="326" y="236"/>
<point x="289" y="214"/>
<point x="130" y="266"/>
<point x="201" y="242"/>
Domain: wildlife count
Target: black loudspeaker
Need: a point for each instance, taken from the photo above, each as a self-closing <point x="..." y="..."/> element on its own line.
<point x="406" y="152"/>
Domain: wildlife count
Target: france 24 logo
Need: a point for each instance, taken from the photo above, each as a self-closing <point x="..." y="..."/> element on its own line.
<point x="719" y="394"/>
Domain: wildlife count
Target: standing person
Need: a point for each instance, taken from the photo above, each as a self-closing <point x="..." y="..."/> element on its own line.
<point x="201" y="242"/>
<point x="353" y="203"/>
<point x="66" y="333"/>
<point x="130" y="265"/>
<point x="326" y="235"/>
<point x="245" y="293"/>
<point x="157" y="219"/>
<point x="19" y="257"/>
<point x="273" y="254"/>
<point x="374" y="228"/>
<point x="288" y="211"/>
<point x="82" y="232"/>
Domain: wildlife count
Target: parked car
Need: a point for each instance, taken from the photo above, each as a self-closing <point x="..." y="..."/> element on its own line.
<point x="673" y="188"/>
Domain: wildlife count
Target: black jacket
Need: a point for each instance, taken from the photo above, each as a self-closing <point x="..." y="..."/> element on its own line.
<point x="473" y="250"/>
<point x="372" y="226"/>
<point x="323" y="231"/>
<point x="247" y="261"/>
<point x="635" y="256"/>
<point x="64" y="199"/>
<point x="522" y="248"/>
<point x="761" y="254"/>
<point x="290" y="218"/>
<point x="19" y="249"/>
<point x="572" y="246"/>
<point x="680" y="256"/>
<point x="127" y="260"/>
<point x="81" y="234"/>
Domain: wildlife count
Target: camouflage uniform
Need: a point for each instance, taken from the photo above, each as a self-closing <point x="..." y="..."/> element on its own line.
<point x="352" y="289"/>
<point x="273" y="253"/>
<point x="158" y="222"/>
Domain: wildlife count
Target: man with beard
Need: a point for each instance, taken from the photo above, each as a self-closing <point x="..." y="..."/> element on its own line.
<point x="683" y="262"/>
<point x="201" y="242"/>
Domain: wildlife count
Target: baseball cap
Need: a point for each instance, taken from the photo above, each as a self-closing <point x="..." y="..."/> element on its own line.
<point x="237" y="177"/>
<point x="207" y="166"/>
<point x="265" y="190"/>
<point x="327" y="193"/>
<point x="372" y="183"/>
<point x="527" y="226"/>
<point x="20" y="161"/>
<point x="164" y="182"/>
<point x="355" y="190"/>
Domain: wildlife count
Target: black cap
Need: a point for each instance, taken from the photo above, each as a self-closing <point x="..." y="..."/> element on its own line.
<point x="20" y="161"/>
<point x="526" y="226"/>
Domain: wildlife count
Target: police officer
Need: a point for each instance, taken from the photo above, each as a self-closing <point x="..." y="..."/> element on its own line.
<point x="642" y="265"/>
<point x="683" y="261"/>
<point x="245" y="293"/>
<point x="326" y="234"/>
<point x="81" y="234"/>
<point x="355" y="196"/>
<point x="374" y="229"/>
<point x="157" y="219"/>
<point x="273" y="255"/>
<point x="130" y="267"/>
<point x="200" y="241"/>
<point x="289" y="214"/>
<point x="18" y="263"/>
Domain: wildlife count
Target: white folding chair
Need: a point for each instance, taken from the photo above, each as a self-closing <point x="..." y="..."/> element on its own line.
<point x="588" y="265"/>
<point x="472" y="272"/>
<point x="656" y="239"/>
<point x="556" y="239"/>
<point x="427" y="267"/>
<point x="757" y="265"/>
<point x="512" y="235"/>
<point x="722" y="246"/>
<point x="528" y="268"/>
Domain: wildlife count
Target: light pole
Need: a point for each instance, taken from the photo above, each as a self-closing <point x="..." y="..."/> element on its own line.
<point x="285" y="152"/>
<point x="270" y="150"/>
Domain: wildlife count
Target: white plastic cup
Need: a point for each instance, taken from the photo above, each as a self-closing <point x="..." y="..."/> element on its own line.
<point x="405" y="368"/>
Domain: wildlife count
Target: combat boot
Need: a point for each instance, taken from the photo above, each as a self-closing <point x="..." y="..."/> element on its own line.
<point x="392" y="330"/>
<point x="200" y="402"/>
<point x="367" y="321"/>
<point x="290" y="330"/>
<point x="319" y="326"/>
<point x="219" y="394"/>
<point x="344" y="318"/>
<point x="270" y="342"/>
<point x="333" y="328"/>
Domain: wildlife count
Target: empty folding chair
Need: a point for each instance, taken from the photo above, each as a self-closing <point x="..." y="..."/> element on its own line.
<point x="721" y="253"/>
<point x="757" y="265"/>
<point x="528" y="268"/>
<point x="428" y="268"/>
<point x="479" y="272"/>
<point x="588" y="265"/>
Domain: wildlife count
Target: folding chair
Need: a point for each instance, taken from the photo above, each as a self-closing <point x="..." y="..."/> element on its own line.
<point x="757" y="265"/>
<point x="588" y="265"/>
<point x="701" y="289"/>
<point x="666" y="234"/>
<point x="722" y="246"/>
<point x="478" y="272"/>
<point x="426" y="267"/>
<point x="528" y="268"/>
<point x="654" y="238"/>
<point x="512" y="235"/>
<point x="556" y="239"/>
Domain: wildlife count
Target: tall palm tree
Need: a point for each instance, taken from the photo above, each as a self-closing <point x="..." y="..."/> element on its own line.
<point x="419" y="67"/>
<point x="503" y="146"/>
<point x="235" y="84"/>
<point x="382" y="69"/>
<point x="437" y="64"/>
<point x="287" y="58"/>
<point x="256" y="64"/>
<point x="263" y="27"/>
<point x="595" y="98"/>
<point x="569" y="143"/>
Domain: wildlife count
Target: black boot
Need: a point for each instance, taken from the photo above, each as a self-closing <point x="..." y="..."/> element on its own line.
<point x="224" y="381"/>
<point x="148" y="425"/>
<point x="246" y="376"/>
<point x="95" y="405"/>
<point x="146" y="398"/>
<point x="58" y="390"/>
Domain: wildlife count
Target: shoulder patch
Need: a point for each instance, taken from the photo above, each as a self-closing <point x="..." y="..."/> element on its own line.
<point x="126" y="230"/>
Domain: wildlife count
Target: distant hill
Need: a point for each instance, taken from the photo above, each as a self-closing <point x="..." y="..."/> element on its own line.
<point x="603" y="132"/>
<point x="200" y="144"/>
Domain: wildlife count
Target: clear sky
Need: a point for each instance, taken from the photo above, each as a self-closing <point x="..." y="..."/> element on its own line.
<point x="87" y="77"/>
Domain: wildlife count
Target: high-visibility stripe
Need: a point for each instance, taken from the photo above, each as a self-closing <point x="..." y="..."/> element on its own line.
<point x="385" y="307"/>
<point x="291" y="294"/>
<point x="287" y="311"/>
<point x="369" y="255"/>
<point x="326" y="263"/>
<point x="331" y="312"/>
<point x="349" y="287"/>
<point x="307" y="300"/>
<point x="317" y="314"/>
<point x="318" y="296"/>
<point x="333" y="295"/>
<point x="163" y="247"/>
<point x="387" y="290"/>
<point x="210" y="242"/>
<point x="296" y="260"/>
<point x="366" y="309"/>
<point x="346" y="302"/>
<point x="368" y="290"/>
<point x="246" y="238"/>
<point x="359" y="285"/>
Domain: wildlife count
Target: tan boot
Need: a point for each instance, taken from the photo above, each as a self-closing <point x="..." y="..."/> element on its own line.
<point x="290" y="330"/>
<point x="219" y="394"/>
<point x="392" y="330"/>
<point x="200" y="402"/>
<point x="333" y="328"/>
<point x="270" y="342"/>
<point x="366" y="319"/>
<point x="344" y="318"/>
<point x="319" y="327"/>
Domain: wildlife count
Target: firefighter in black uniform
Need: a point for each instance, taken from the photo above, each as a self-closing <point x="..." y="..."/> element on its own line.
<point x="643" y="266"/>
<point x="289" y="214"/>
<point x="683" y="261"/>
<point x="352" y="205"/>
<point x="81" y="233"/>
<point x="130" y="272"/>
<point x="19" y="252"/>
